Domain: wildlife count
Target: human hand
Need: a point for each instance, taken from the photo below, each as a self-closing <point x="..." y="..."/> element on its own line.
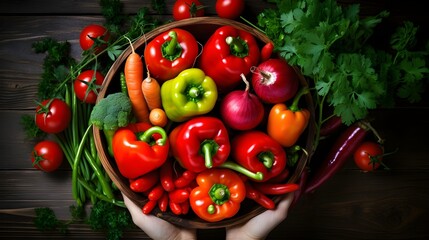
<point x="155" y="227"/>
<point x="260" y="226"/>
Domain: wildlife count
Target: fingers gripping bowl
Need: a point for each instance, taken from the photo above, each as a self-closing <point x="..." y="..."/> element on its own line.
<point x="201" y="28"/>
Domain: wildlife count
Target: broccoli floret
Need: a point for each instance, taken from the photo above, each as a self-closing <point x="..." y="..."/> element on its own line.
<point x="110" y="113"/>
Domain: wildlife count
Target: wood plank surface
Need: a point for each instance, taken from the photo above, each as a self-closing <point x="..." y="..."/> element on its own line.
<point x="352" y="205"/>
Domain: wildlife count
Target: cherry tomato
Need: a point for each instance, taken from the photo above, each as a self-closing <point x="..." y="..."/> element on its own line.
<point x="87" y="84"/>
<point x="368" y="156"/>
<point x="53" y="115"/>
<point x="230" y="9"/>
<point x="47" y="156"/>
<point x="91" y="32"/>
<point x="183" y="9"/>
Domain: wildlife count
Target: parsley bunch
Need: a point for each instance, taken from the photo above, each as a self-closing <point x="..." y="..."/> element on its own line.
<point x="330" y="44"/>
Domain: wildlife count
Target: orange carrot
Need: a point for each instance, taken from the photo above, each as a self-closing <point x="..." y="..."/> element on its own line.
<point x="152" y="92"/>
<point x="134" y="78"/>
<point x="158" y="117"/>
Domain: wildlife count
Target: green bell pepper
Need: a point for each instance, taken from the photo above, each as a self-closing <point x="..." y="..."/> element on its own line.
<point x="189" y="94"/>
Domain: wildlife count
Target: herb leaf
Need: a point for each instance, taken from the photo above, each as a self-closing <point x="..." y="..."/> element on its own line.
<point x="330" y="44"/>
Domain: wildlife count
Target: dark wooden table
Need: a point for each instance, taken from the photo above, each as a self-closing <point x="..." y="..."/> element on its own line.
<point x="353" y="205"/>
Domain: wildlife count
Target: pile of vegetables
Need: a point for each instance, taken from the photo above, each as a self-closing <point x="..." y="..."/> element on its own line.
<point x="200" y="130"/>
<point x="214" y="150"/>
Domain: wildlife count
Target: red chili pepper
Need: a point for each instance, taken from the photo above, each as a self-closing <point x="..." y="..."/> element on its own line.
<point x="258" y="152"/>
<point x="170" y="53"/>
<point x="340" y="152"/>
<point x="135" y="152"/>
<point x="149" y="206"/>
<point x="185" y="179"/>
<point x="176" y="208"/>
<point x="200" y="143"/>
<point x="166" y="176"/>
<point x="156" y="192"/>
<point x="267" y="51"/>
<point x="179" y="195"/>
<point x="163" y="202"/>
<point x="276" y="188"/>
<point x="280" y="178"/>
<point x="259" y="197"/>
<point x="145" y="182"/>
<point x="185" y="207"/>
<point x="227" y="54"/>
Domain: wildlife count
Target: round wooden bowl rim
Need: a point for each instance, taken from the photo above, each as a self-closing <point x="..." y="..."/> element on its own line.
<point x="139" y="199"/>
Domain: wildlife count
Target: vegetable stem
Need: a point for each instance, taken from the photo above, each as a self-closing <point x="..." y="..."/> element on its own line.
<point x="76" y="162"/>
<point x="102" y="180"/>
<point x="294" y="106"/>
<point x="236" y="167"/>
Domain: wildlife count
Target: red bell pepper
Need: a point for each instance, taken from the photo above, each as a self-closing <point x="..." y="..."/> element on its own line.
<point x="227" y="54"/>
<point x="139" y="148"/>
<point x="200" y="143"/>
<point x="169" y="53"/>
<point x="218" y="195"/>
<point x="258" y="152"/>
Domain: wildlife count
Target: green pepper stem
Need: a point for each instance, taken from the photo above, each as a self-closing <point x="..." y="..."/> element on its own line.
<point x="146" y="136"/>
<point x="207" y="150"/>
<point x="235" y="43"/>
<point x="267" y="158"/>
<point x="236" y="167"/>
<point x="294" y="106"/>
<point x="170" y="49"/>
<point x="194" y="92"/>
<point x="219" y="193"/>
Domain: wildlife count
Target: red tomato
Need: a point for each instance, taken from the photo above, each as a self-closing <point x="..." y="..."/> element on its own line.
<point x="368" y="156"/>
<point x="184" y="9"/>
<point x="87" y="84"/>
<point x="47" y="156"/>
<point x="91" y="32"/>
<point x="53" y="115"/>
<point x="230" y="9"/>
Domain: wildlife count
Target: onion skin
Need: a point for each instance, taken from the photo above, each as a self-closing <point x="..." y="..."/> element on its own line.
<point x="275" y="81"/>
<point x="242" y="110"/>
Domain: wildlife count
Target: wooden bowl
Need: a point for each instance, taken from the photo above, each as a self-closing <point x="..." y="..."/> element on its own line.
<point x="202" y="28"/>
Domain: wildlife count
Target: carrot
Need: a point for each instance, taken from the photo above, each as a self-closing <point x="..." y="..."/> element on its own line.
<point x="158" y="117"/>
<point x="152" y="92"/>
<point x="134" y="78"/>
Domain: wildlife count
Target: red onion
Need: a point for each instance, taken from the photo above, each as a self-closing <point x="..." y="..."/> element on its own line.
<point x="275" y="81"/>
<point x="242" y="110"/>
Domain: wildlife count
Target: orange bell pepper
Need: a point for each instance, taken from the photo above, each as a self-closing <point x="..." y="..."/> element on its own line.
<point x="219" y="194"/>
<point x="285" y="125"/>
